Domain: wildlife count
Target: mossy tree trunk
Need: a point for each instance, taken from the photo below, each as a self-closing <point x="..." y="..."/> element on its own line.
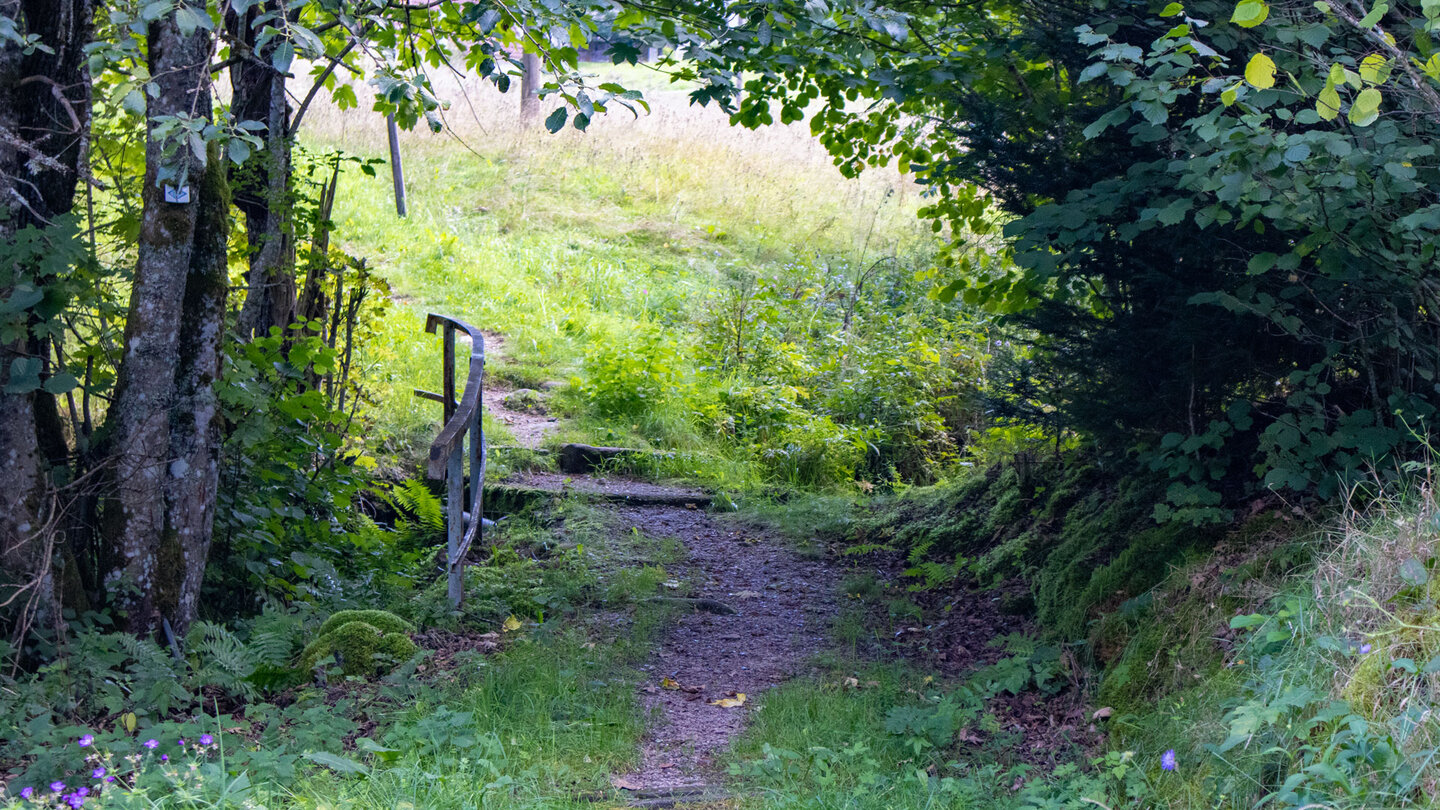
<point x="164" y="418"/>
<point x="44" y="127"/>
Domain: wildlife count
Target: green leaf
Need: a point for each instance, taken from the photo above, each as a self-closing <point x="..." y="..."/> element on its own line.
<point x="1250" y="620"/>
<point x="24" y="375"/>
<point x="1407" y="664"/>
<point x="282" y="57"/>
<point x="1374" y="69"/>
<point x="1297" y="153"/>
<point x="1327" y="104"/>
<point x="1413" y="571"/>
<point x="238" y="149"/>
<point x="1260" y="263"/>
<point x="1376" y="13"/>
<point x="556" y="120"/>
<point x="335" y="762"/>
<point x="60" y="382"/>
<point x="384" y="754"/>
<point x="188" y="20"/>
<point x="1365" y="109"/>
<point x="1432" y="667"/>
<point x="1172" y="10"/>
<point x="1260" y="72"/>
<point x="1250" y="13"/>
<point x="947" y="294"/>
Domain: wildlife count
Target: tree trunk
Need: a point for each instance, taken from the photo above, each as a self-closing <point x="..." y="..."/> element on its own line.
<point x="262" y="185"/>
<point x="164" y="437"/>
<point x="529" y="87"/>
<point x="44" y="123"/>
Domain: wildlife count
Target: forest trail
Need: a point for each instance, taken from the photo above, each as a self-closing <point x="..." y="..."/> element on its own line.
<point x="782" y="605"/>
<point x="754" y="611"/>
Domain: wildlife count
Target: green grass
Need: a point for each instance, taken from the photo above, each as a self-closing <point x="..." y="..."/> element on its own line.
<point x="575" y="246"/>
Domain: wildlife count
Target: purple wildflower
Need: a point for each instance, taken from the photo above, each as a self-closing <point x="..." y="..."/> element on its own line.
<point x="1364" y="649"/>
<point x="75" y="800"/>
<point x="1167" y="760"/>
<point x="151" y="743"/>
<point x="164" y="757"/>
<point x="57" y="786"/>
<point x="97" y="773"/>
<point x="84" y="791"/>
<point x="86" y="740"/>
<point x="206" y="739"/>
<point x="109" y="779"/>
<point x="181" y="743"/>
<point x="27" y="792"/>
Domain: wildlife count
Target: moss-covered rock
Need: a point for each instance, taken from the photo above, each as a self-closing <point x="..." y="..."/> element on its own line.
<point x="385" y="621"/>
<point x="360" y="647"/>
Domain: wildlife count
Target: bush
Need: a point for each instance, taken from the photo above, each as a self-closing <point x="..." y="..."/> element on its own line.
<point x="632" y="375"/>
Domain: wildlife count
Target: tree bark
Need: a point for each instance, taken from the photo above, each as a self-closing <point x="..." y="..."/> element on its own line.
<point x="165" y="432"/>
<point x="44" y="123"/>
<point x="262" y="185"/>
<point x="529" y="87"/>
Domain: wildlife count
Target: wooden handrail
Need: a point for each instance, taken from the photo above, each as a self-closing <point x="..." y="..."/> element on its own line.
<point x="457" y="414"/>
<point x="449" y="451"/>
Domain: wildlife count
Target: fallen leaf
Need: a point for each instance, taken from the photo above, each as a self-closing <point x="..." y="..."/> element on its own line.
<point x="511" y="624"/>
<point x="1102" y="713"/>
<point x="669" y="683"/>
<point x="747" y="595"/>
<point x="851" y="683"/>
<point x="667" y="765"/>
<point x="626" y="783"/>
<point x="730" y="702"/>
<point x="672" y="584"/>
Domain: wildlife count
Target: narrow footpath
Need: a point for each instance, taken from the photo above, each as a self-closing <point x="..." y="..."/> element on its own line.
<point x="754" y="613"/>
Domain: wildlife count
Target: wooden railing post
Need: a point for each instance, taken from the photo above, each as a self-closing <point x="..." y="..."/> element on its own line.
<point x="449" y="452"/>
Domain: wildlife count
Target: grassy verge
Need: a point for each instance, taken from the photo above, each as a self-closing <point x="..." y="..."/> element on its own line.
<point x="542" y="722"/>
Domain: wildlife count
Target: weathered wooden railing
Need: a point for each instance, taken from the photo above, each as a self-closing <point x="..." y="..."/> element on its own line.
<point x="462" y="436"/>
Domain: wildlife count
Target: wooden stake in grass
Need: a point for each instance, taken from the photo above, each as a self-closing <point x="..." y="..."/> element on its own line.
<point x="396" y="169"/>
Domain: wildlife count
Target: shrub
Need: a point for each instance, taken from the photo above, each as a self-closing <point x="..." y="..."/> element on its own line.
<point x="632" y="375"/>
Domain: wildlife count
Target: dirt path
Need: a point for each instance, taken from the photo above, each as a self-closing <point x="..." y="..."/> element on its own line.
<point x="783" y="603"/>
<point x="529" y="426"/>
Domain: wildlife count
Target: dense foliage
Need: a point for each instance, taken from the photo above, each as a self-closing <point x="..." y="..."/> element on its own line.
<point x="1211" y="264"/>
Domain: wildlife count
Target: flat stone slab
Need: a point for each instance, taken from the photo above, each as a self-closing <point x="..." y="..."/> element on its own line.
<point x="610" y="488"/>
<point x="578" y="459"/>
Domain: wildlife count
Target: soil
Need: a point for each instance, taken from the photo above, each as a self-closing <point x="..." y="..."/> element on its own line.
<point x="529" y="429"/>
<point x="527" y="426"/>
<point x="783" y="603"/>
